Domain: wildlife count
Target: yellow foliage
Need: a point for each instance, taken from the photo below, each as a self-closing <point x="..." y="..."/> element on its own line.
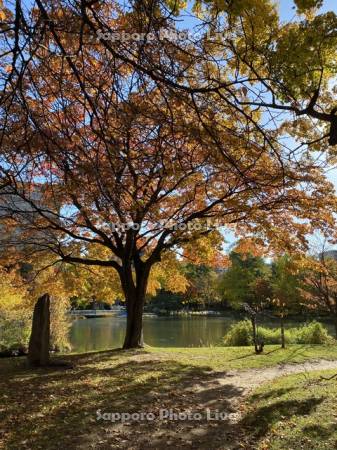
<point x="167" y="275"/>
<point x="13" y="292"/>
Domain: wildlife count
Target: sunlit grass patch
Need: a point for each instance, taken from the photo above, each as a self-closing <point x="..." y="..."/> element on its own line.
<point x="294" y="412"/>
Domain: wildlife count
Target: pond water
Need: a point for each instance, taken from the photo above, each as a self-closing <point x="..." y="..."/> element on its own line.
<point x="191" y="331"/>
<point x="108" y="332"/>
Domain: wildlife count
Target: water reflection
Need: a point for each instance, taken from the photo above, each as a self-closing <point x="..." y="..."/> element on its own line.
<point x="108" y="332"/>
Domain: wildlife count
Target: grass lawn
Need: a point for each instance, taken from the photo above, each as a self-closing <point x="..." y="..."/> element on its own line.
<point x="295" y="412"/>
<point x="57" y="407"/>
<point x="222" y="358"/>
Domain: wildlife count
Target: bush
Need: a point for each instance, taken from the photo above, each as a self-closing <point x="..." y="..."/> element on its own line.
<point x="313" y="333"/>
<point x="15" y="327"/>
<point x="14" y="330"/>
<point x="273" y="335"/>
<point x="240" y="334"/>
<point x="59" y="325"/>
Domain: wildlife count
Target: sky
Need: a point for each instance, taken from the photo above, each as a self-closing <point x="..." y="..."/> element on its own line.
<point x="287" y="11"/>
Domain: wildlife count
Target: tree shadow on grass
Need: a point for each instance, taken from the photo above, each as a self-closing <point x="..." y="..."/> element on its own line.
<point x="319" y="432"/>
<point x="51" y="409"/>
<point x="252" y="354"/>
<point x="299" y="351"/>
<point x="288" y="358"/>
<point x="272" y="393"/>
<point x="295" y="353"/>
<point x="261" y="420"/>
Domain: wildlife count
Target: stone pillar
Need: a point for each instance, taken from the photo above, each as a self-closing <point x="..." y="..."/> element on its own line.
<point x="38" y="351"/>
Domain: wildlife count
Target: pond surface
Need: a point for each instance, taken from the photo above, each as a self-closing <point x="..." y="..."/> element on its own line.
<point x="108" y="332"/>
<point x="191" y="331"/>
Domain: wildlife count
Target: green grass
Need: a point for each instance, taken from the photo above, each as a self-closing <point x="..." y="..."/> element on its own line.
<point x="294" y="412"/>
<point x="56" y="407"/>
<point x="220" y="358"/>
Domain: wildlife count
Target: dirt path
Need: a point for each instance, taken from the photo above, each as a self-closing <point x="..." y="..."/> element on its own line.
<point x="246" y="381"/>
<point x="215" y="392"/>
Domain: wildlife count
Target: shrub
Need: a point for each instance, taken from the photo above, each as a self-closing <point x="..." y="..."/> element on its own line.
<point x="239" y="334"/>
<point x="14" y="330"/>
<point x="15" y="327"/>
<point x="272" y="335"/>
<point x="59" y="325"/>
<point x="313" y="333"/>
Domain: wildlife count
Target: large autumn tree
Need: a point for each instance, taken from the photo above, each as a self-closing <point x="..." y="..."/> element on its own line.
<point x="146" y="145"/>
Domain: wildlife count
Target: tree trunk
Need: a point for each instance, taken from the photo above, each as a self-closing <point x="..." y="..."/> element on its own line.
<point x="134" y="323"/>
<point x="283" y="343"/>
<point x="336" y="326"/>
<point x="254" y="333"/>
<point x="135" y="290"/>
<point x="258" y="344"/>
<point x="38" y="352"/>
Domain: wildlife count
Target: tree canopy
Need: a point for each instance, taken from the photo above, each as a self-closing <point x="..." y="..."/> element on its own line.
<point x="142" y="145"/>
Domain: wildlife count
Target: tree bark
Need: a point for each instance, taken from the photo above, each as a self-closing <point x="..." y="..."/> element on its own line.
<point x="254" y="333"/>
<point x="135" y="291"/>
<point x="258" y="345"/>
<point x="283" y="343"/>
<point x="134" y="323"/>
<point x="38" y="351"/>
<point x="336" y="325"/>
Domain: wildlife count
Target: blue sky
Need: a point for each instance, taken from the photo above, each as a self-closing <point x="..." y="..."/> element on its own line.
<point x="287" y="12"/>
